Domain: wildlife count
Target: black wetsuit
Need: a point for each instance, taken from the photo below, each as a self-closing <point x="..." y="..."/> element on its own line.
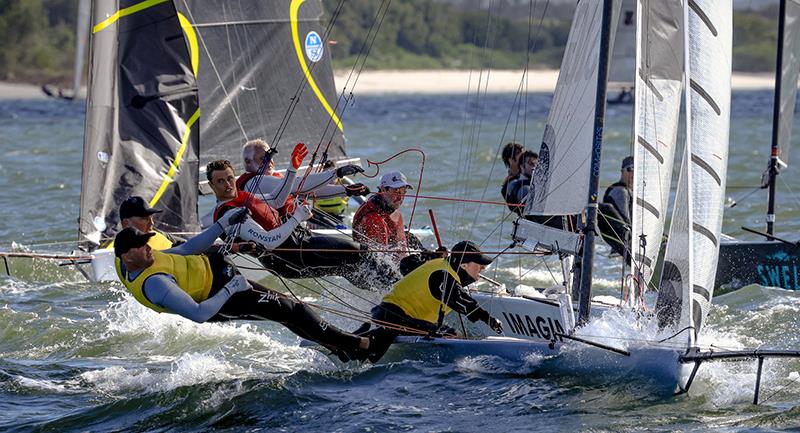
<point x="261" y="303"/>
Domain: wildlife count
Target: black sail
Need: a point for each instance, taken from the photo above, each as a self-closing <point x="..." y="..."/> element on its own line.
<point x="141" y="132"/>
<point x="264" y="72"/>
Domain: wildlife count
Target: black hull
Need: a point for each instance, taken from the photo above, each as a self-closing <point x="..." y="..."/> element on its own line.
<point x="767" y="263"/>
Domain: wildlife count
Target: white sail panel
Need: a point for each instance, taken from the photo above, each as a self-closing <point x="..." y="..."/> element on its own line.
<point x="623" y="58"/>
<point x="659" y="76"/>
<point x="560" y="182"/>
<point x="705" y="158"/>
<point x="789" y="74"/>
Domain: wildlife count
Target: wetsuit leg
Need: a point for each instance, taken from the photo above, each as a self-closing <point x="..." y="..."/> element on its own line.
<point x="261" y="303"/>
<point x="381" y="338"/>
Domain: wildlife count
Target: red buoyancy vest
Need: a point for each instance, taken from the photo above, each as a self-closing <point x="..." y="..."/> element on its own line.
<point x="288" y="206"/>
<point x="371" y="214"/>
<point x="267" y="217"/>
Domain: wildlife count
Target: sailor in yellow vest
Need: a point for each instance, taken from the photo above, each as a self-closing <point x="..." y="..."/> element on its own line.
<point x="418" y="303"/>
<point x="203" y="287"/>
<point x="134" y="212"/>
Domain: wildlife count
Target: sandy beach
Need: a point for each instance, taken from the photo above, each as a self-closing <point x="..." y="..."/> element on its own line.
<point x="434" y="82"/>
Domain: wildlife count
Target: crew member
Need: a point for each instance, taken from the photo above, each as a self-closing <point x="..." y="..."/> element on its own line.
<point x="205" y="288"/>
<point x="329" y="212"/>
<point x="518" y="188"/>
<point x="418" y="303"/>
<point x="616" y="209"/>
<point x="510" y="155"/>
<point x="134" y="212"/>
<point x="292" y="251"/>
<point x="279" y="193"/>
<point x="378" y="223"/>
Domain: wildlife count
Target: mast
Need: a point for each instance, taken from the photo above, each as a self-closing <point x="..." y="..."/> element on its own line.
<point x="776" y="115"/>
<point x="587" y="259"/>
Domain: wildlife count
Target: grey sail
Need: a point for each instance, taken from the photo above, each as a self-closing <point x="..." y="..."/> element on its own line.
<point x="789" y="70"/>
<point x="141" y="132"/>
<point x="264" y="71"/>
<point x="657" y="108"/>
<point x="690" y="261"/>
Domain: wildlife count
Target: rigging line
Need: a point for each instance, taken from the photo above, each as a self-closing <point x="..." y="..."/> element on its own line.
<point x="216" y="71"/>
<point x="379" y="22"/>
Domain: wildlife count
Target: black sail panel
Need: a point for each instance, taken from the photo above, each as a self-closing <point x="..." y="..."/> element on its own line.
<point x="264" y="72"/>
<point x="141" y="119"/>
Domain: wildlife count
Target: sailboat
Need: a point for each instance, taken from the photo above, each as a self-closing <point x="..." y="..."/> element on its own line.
<point x="683" y="57"/>
<point x="773" y="262"/>
<point x="81" y="42"/>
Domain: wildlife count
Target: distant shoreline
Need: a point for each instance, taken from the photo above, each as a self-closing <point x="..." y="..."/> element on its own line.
<point x="435" y="82"/>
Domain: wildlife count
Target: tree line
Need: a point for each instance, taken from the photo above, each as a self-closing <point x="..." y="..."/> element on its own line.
<point x="39" y="37"/>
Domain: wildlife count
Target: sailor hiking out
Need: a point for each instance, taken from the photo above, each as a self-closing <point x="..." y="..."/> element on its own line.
<point x="418" y="303"/>
<point x="204" y="287"/>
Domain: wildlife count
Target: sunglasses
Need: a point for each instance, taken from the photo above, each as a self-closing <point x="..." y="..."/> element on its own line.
<point x="629" y="169"/>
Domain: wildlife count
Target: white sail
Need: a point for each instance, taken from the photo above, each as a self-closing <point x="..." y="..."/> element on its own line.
<point x="691" y="258"/>
<point x="790" y="68"/>
<point x="560" y="184"/>
<point x="659" y="75"/>
<point x="623" y="58"/>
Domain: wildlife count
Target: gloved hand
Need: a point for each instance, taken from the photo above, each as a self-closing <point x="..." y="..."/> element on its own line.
<point x="439" y="253"/>
<point x="356" y="189"/>
<point x="298" y="154"/>
<point x="232" y="217"/>
<point x="348" y="170"/>
<point x="496" y="326"/>
<point x="302" y="212"/>
<point x="237" y="284"/>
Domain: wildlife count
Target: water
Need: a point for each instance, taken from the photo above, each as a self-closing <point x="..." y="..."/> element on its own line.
<point x="76" y="356"/>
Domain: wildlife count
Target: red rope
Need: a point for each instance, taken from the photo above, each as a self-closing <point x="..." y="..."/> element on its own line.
<point x="419" y="182"/>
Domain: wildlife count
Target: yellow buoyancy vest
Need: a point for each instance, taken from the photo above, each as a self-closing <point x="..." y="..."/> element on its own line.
<point x="414" y="297"/>
<point x="158" y="242"/>
<point x="192" y="273"/>
<point x="334" y="206"/>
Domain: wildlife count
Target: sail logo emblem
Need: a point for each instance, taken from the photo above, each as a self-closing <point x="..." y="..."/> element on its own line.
<point x="313" y="46"/>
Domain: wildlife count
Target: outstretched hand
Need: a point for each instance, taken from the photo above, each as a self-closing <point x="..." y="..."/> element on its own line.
<point x="356" y="189"/>
<point x="298" y="154"/>
<point x="238" y="284"/>
<point x="348" y="170"/>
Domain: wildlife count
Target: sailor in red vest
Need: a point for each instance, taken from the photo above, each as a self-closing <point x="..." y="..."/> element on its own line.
<point x="204" y="287"/>
<point x="378" y="223"/>
<point x="279" y="193"/>
<point x="291" y="251"/>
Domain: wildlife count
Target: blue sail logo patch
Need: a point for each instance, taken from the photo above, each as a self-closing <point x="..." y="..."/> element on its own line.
<point x="313" y="46"/>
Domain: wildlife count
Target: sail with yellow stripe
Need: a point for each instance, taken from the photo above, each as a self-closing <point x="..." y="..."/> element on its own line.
<point x="176" y="84"/>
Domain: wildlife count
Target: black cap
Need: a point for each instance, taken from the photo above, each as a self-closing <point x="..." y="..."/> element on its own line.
<point x="135" y="207"/>
<point x="627" y="162"/>
<point x="128" y="238"/>
<point x="468" y="252"/>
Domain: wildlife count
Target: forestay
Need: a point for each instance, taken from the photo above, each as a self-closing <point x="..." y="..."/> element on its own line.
<point x="659" y="74"/>
<point x="691" y="258"/>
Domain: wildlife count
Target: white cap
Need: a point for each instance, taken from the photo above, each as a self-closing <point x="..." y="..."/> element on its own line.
<point x="394" y="179"/>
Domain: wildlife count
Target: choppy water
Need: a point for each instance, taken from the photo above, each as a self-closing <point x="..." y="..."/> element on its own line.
<point x="76" y="356"/>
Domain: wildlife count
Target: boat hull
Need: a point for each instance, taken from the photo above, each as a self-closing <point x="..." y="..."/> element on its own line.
<point x="767" y="263"/>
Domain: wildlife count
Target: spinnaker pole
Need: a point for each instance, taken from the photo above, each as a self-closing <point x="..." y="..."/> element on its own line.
<point x="587" y="258"/>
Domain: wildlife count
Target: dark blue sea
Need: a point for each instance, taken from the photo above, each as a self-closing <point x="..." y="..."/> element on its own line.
<point x="81" y="356"/>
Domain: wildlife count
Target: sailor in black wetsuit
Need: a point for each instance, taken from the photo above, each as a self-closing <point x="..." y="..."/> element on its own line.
<point x="418" y="303"/>
<point x="203" y="287"/>
<point x="615" y="211"/>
